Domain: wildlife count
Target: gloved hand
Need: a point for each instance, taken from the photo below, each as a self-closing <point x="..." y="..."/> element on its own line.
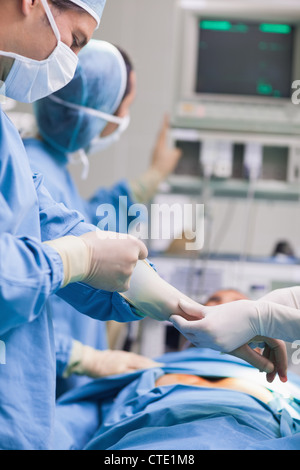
<point x="151" y="295"/>
<point x="232" y="325"/>
<point x="113" y="258"/>
<point x="154" y="297"/>
<point x="104" y="260"/>
<point x="223" y="327"/>
<point x="93" y="363"/>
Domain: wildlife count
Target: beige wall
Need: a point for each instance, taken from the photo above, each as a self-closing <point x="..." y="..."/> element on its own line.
<point x="145" y="29"/>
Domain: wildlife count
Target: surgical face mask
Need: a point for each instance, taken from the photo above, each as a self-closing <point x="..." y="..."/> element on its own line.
<point x="98" y="143"/>
<point x="30" y="80"/>
<point x="101" y="143"/>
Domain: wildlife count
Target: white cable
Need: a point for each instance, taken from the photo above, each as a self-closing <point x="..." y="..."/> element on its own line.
<point x="253" y="160"/>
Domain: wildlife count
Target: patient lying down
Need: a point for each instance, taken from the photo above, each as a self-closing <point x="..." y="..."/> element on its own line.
<point x="219" y="297"/>
<point x="239" y="385"/>
<point x="196" y="399"/>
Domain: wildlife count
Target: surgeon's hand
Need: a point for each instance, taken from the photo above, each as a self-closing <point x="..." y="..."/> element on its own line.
<point x="222" y="327"/>
<point x="229" y="328"/>
<point x="112" y="259"/>
<point x="104" y="260"/>
<point x="95" y="364"/>
<point x="273" y="360"/>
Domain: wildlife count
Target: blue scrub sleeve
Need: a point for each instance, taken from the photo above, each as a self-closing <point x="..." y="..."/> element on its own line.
<point x="29" y="273"/>
<point x="6" y="216"/>
<point x="99" y="304"/>
<point x="58" y="221"/>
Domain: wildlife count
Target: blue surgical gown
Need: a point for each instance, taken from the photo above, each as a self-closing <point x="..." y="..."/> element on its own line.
<point x="69" y="323"/>
<point x="129" y="412"/>
<point x="29" y="273"/>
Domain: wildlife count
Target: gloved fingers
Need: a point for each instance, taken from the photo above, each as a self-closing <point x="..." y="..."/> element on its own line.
<point x="143" y="250"/>
<point x="267" y="352"/>
<point x="183" y="325"/>
<point x="276" y="352"/>
<point x="195" y="331"/>
<point x="132" y="370"/>
<point x="120" y="362"/>
<point x="254" y="358"/>
<point x="129" y="370"/>
<point x="111" y="259"/>
<point x="131" y="241"/>
<point x="193" y="310"/>
<point x="136" y="361"/>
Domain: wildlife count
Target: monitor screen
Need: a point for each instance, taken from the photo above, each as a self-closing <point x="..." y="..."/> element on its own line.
<point x="245" y="58"/>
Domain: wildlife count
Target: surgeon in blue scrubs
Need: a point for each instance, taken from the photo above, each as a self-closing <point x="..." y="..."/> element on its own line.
<point x="104" y="81"/>
<point x="44" y="247"/>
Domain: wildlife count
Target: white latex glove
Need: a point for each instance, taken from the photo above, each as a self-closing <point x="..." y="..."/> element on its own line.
<point x="154" y="297"/>
<point x="104" y="260"/>
<point x="233" y="324"/>
<point x="222" y="327"/>
<point x="229" y="327"/>
<point x="151" y="295"/>
<point x="93" y="363"/>
<point x="290" y="297"/>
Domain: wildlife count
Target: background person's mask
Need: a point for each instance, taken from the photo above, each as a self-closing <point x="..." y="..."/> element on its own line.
<point x="101" y="143"/>
<point x="98" y="143"/>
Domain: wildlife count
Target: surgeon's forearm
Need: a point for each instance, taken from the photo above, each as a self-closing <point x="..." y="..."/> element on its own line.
<point x="278" y="321"/>
<point x="74" y="255"/>
<point x="152" y="296"/>
<point x="29" y="274"/>
<point x="289" y="296"/>
<point x="279" y="313"/>
<point x="98" y="304"/>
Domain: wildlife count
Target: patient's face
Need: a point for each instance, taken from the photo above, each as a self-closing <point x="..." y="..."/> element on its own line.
<point x="224" y="296"/>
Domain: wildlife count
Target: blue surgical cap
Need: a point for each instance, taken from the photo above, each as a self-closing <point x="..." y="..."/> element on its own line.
<point x="99" y="83"/>
<point x="94" y="7"/>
